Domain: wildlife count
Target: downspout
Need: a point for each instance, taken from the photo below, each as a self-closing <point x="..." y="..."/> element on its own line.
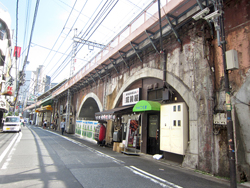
<point x="162" y="51"/>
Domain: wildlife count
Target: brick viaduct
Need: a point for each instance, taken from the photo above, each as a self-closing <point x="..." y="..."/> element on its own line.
<point x="194" y="74"/>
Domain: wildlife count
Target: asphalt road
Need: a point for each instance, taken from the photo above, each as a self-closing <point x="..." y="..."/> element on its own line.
<point x="40" y="158"/>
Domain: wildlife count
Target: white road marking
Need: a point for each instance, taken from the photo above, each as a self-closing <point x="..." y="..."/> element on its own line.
<point x="155" y="179"/>
<point x="8" y="148"/>
<point x="89" y="148"/>
<point x="5" y="165"/>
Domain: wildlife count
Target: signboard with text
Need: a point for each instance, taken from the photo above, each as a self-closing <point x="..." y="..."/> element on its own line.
<point x="131" y="97"/>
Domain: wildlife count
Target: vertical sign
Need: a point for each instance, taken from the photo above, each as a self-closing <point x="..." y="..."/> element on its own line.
<point x="18" y="51"/>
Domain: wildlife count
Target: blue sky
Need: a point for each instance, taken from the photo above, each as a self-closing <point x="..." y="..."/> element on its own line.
<point x="51" y="18"/>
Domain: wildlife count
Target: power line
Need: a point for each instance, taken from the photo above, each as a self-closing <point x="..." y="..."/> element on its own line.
<point x="53" y="50"/>
<point x="87" y="31"/>
<point x="69" y="31"/>
<point x="96" y="27"/>
<point x="31" y="34"/>
<point x="79" y="34"/>
<point x="61" y="31"/>
<point x="28" y="4"/>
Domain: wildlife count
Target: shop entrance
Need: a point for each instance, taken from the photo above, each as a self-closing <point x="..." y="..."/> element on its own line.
<point x="153" y="142"/>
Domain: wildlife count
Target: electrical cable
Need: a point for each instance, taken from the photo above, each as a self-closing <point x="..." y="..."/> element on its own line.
<point x="28" y="4"/>
<point x="61" y="31"/>
<point x="68" y="32"/>
<point x="83" y="34"/>
<point x="95" y="29"/>
<point x="152" y="2"/>
<point x="91" y="34"/>
<point x="31" y="34"/>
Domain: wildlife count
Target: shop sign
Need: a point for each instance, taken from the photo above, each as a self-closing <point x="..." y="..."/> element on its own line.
<point x="105" y="117"/>
<point x="131" y="97"/>
<point x="141" y="107"/>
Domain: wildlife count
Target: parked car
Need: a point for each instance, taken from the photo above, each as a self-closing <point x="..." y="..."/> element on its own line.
<point x="12" y="124"/>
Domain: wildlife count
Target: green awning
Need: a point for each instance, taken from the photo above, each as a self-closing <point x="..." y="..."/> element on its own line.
<point x="47" y="101"/>
<point x="143" y="106"/>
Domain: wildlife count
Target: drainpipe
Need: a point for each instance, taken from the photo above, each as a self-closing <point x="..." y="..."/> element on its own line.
<point x="162" y="51"/>
<point x="230" y="134"/>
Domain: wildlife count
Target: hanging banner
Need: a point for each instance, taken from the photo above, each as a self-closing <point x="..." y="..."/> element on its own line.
<point x="9" y="87"/>
<point x="18" y="51"/>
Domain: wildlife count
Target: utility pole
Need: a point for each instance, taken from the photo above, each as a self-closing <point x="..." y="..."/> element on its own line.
<point x="76" y="40"/>
<point x="219" y="26"/>
<point x="72" y="67"/>
<point x="230" y="132"/>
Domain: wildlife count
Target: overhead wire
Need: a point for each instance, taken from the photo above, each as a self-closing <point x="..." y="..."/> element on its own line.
<point x="91" y="26"/>
<point x="44" y="47"/>
<point x="61" y="31"/>
<point x="80" y="33"/>
<point x="88" y="38"/>
<point x="68" y="48"/>
<point x="64" y="64"/>
<point x="86" y="15"/>
<point x="27" y="18"/>
<point x="87" y="34"/>
<point x="86" y="31"/>
<point x="31" y="34"/>
<point x="94" y="29"/>
<point x="124" y="22"/>
<point x="69" y="31"/>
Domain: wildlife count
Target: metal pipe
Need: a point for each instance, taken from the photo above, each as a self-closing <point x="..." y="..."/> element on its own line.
<point x="230" y="135"/>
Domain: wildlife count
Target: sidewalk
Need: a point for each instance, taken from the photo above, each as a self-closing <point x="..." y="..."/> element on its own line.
<point x="164" y="162"/>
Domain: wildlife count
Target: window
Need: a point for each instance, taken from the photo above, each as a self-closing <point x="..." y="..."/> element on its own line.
<point x="155" y="94"/>
<point x="2" y="30"/>
<point x="174" y="108"/>
<point x="174" y="123"/>
<point x="179" y="123"/>
<point x="179" y="108"/>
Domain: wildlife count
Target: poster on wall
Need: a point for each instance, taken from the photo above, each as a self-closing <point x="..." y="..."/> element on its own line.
<point x="132" y="132"/>
<point x="86" y="129"/>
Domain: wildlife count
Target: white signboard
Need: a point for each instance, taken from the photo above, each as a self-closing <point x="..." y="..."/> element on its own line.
<point x="61" y="109"/>
<point x="131" y="97"/>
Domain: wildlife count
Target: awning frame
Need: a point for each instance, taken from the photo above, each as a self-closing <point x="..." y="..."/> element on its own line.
<point x="44" y="109"/>
<point x="112" y="113"/>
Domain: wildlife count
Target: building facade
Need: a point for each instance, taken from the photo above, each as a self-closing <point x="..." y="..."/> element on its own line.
<point x="7" y="83"/>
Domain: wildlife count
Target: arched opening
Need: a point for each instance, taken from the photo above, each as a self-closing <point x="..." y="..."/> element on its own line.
<point x="185" y="94"/>
<point x="89" y="106"/>
<point x="88" y="110"/>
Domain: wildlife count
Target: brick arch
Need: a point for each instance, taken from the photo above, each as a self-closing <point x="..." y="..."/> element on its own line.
<point x="90" y="95"/>
<point x="191" y="158"/>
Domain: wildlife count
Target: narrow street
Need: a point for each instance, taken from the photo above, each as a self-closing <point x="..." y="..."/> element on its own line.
<point x="41" y="158"/>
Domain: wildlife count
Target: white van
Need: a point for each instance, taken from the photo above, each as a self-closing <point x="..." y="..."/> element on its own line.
<point x="12" y="123"/>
